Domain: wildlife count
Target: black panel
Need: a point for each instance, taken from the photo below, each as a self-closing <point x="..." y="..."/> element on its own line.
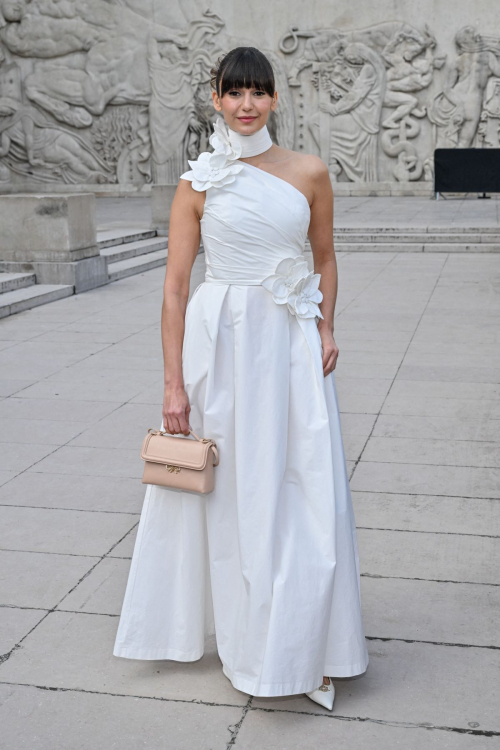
<point x="467" y="170"/>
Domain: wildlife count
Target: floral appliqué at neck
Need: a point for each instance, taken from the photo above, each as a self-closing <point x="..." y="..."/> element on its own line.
<point x="219" y="167"/>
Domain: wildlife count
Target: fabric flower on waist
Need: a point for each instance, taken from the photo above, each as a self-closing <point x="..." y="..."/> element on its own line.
<point x="292" y="284"/>
<point x="218" y="168"/>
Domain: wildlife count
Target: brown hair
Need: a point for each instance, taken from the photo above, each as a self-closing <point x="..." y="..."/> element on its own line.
<point x="242" y="67"/>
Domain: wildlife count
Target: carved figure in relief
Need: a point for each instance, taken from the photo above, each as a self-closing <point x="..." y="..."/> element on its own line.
<point x="356" y="112"/>
<point x="489" y="127"/>
<point x="33" y="147"/>
<point x="95" y="53"/>
<point x="456" y="111"/>
<point x="402" y="64"/>
<point x="411" y="63"/>
<point x="175" y="125"/>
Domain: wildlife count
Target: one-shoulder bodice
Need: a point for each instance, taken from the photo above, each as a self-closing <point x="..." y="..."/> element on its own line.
<point x="250" y="225"/>
<point x="254" y="228"/>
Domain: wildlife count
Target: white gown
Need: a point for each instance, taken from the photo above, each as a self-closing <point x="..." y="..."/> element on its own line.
<point x="268" y="561"/>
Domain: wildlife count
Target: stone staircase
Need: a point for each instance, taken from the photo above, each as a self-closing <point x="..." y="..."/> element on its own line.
<point x="127" y="254"/>
<point x="414" y="240"/>
<point x="130" y="254"/>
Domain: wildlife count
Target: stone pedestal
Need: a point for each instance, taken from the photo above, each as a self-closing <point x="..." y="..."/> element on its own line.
<point x="161" y="203"/>
<point x="53" y="236"/>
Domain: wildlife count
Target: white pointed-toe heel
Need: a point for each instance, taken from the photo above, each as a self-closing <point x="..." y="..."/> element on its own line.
<point x="324" y="695"/>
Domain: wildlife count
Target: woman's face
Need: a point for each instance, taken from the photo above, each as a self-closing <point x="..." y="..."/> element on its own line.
<point x="245" y="110"/>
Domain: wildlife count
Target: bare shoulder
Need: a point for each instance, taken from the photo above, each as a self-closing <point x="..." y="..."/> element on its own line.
<point x="313" y="167"/>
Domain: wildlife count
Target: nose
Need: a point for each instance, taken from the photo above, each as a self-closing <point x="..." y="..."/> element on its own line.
<point x="247" y="103"/>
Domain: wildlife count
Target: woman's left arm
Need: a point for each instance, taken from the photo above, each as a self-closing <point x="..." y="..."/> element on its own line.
<point x="325" y="263"/>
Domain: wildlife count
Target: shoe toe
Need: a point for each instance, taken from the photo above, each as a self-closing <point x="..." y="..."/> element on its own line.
<point x="323" y="697"/>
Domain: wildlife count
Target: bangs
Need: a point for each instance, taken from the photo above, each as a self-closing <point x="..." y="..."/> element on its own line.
<point x="245" y="67"/>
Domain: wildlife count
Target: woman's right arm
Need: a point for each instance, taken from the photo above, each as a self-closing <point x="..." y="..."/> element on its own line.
<point x="183" y="244"/>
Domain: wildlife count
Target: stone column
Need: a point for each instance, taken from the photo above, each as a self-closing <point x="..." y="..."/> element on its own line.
<point x="53" y="236"/>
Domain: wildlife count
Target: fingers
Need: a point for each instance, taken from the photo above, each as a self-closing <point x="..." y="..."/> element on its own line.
<point x="330" y="362"/>
<point x="176" y="422"/>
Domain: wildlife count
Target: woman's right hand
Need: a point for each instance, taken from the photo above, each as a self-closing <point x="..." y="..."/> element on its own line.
<point x="176" y="410"/>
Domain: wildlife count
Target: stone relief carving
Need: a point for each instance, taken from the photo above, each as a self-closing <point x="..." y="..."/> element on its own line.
<point x="31" y="146"/>
<point x="456" y="111"/>
<point x="367" y="83"/>
<point x="94" y="91"/>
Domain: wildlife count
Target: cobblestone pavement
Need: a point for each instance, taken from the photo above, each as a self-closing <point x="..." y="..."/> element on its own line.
<point x="418" y="383"/>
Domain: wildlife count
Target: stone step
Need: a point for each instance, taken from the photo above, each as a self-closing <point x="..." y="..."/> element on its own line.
<point x="112" y="237"/>
<point x="11" y="281"/>
<point x="415" y="247"/>
<point x="33" y="296"/>
<point x="128" y="250"/>
<point x="441" y="231"/>
<point x="423" y="237"/>
<point x="139" y="264"/>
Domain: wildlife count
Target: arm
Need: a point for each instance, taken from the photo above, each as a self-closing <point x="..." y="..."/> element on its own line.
<point x="183" y="244"/>
<point x="325" y="262"/>
<point x="29" y="130"/>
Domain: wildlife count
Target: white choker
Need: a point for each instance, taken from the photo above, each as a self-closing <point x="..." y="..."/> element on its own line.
<point x="251" y="145"/>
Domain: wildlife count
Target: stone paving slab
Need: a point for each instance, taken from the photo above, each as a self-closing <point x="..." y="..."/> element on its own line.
<point x="95" y="494"/>
<point x="437" y="428"/>
<point x="126" y="547"/>
<point x="93" y="722"/>
<point x="418" y="382"/>
<point x="67" y="532"/>
<point x="443" y="557"/>
<point x="55" y="409"/>
<point x="293" y="731"/>
<point x="41" y="580"/>
<point x="84" y="643"/>
<point x="415" y="683"/>
<point x="102" y="591"/>
<point x="439" y="452"/>
<point x="47" y="432"/>
<point x="431" y="611"/>
<point x="103" y="462"/>
<point x="124" y="428"/>
<point x="460" y="481"/>
<point x="15" y="623"/>
<point x="438" y="513"/>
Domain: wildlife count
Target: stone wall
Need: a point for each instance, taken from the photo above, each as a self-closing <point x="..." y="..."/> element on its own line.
<point x="115" y="94"/>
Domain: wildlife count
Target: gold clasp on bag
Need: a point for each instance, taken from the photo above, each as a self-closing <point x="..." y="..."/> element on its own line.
<point x="172" y="469"/>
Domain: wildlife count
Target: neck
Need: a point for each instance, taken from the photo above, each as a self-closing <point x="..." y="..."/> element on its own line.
<point x="253" y="144"/>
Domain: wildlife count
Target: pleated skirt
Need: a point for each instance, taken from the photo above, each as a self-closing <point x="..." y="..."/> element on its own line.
<point x="268" y="562"/>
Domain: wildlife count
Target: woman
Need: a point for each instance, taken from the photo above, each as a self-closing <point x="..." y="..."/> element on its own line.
<point x="268" y="561"/>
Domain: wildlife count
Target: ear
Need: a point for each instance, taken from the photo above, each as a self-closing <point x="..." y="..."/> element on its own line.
<point x="216" y="101"/>
<point x="274" y="102"/>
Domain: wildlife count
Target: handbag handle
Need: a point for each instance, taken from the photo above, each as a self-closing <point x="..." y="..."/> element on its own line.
<point x="201" y="440"/>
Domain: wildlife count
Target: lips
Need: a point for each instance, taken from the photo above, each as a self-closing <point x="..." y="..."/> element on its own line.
<point x="247" y="119"/>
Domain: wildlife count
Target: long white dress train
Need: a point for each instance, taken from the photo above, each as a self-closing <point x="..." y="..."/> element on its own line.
<point x="268" y="561"/>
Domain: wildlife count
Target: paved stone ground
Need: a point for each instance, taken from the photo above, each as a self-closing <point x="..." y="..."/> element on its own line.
<point x="457" y="211"/>
<point x="418" y="384"/>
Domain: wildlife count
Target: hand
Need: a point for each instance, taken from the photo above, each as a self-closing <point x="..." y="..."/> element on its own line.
<point x="330" y="351"/>
<point x="176" y="410"/>
<point x="328" y="108"/>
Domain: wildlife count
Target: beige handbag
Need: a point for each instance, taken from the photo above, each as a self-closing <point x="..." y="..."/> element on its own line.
<point x="179" y="463"/>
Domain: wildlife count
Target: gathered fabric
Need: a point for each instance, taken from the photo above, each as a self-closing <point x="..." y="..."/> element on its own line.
<point x="268" y="562"/>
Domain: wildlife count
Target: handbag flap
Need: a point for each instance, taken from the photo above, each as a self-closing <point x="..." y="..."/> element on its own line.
<point x="176" y="451"/>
